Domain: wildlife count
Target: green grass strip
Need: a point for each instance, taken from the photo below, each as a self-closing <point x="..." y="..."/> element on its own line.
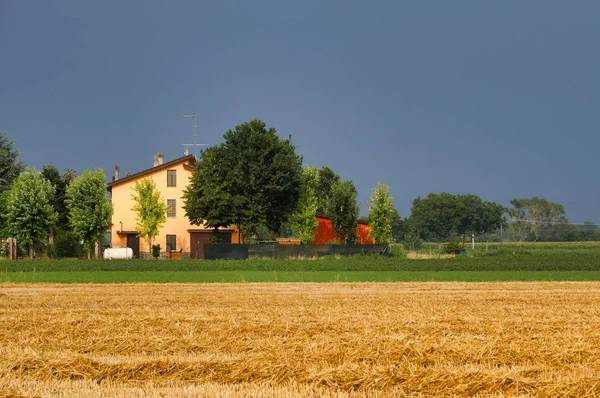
<point x="292" y="276"/>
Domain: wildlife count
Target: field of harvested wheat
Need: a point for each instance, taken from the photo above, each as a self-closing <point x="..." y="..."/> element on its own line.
<point x="341" y="339"/>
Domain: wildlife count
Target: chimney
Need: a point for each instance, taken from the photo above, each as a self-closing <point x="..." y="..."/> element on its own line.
<point x="155" y="159"/>
<point x="116" y="177"/>
<point x="161" y="158"/>
<point x="187" y="151"/>
<point x="127" y="174"/>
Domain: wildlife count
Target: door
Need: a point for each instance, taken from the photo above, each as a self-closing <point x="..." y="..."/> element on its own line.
<point x="133" y="241"/>
<point x="198" y="239"/>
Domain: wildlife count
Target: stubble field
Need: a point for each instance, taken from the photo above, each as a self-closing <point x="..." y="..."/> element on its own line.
<point x="302" y="339"/>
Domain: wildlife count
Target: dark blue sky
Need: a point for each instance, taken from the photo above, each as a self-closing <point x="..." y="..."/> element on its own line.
<point x="500" y="99"/>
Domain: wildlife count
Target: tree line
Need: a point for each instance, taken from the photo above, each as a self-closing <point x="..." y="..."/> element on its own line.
<point x="257" y="181"/>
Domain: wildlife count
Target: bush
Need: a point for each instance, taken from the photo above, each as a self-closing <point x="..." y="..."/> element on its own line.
<point x="412" y="241"/>
<point x="452" y="248"/>
<point x="155" y="251"/>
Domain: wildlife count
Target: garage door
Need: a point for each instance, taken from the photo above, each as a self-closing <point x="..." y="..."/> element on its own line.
<point x="198" y="239"/>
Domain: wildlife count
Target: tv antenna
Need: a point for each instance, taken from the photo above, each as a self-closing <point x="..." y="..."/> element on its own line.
<point x="195" y="144"/>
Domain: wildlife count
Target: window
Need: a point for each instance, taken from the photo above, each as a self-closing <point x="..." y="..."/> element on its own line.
<point x="171" y="178"/>
<point x="171" y="206"/>
<point x="171" y="243"/>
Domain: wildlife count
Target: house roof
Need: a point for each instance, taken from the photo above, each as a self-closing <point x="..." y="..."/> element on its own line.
<point x="188" y="158"/>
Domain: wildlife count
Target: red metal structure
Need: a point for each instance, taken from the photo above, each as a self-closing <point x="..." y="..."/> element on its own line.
<point x="325" y="235"/>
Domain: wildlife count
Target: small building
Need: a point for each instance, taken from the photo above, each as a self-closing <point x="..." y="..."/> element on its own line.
<point x="325" y="233"/>
<point x="177" y="234"/>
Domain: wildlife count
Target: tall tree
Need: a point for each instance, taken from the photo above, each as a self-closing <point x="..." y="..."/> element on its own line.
<point x="10" y="167"/>
<point x="537" y="213"/>
<point x="435" y="216"/>
<point x="210" y="200"/>
<point x="150" y="208"/>
<point x="30" y="213"/>
<point x="343" y="210"/>
<point x="303" y="219"/>
<point x="327" y="179"/>
<point x="257" y="178"/>
<point x="381" y="209"/>
<point x="52" y="174"/>
<point x="491" y="218"/>
<point x="89" y="207"/>
<point x="399" y="226"/>
<point x="469" y="208"/>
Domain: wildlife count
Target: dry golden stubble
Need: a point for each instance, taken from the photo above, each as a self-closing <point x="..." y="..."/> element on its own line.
<point x="421" y="338"/>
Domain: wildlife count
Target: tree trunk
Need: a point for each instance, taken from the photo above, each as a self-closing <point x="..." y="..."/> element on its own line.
<point x="486" y="244"/>
<point x="151" y="249"/>
<point x="89" y="253"/>
<point x="31" y="252"/>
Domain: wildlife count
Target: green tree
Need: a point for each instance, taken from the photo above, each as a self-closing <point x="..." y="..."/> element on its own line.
<point x="491" y="218"/>
<point x="210" y="199"/>
<point x="327" y="179"/>
<point x="538" y="214"/>
<point x="436" y="216"/>
<point x="89" y="208"/>
<point x="469" y="208"/>
<point x="30" y="214"/>
<point x="255" y="176"/>
<point x="343" y="210"/>
<point x="150" y="208"/>
<point x="52" y="174"/>
<point x="589" y="231"/>
<point x="304" y="219"/>
<point x="381" y="209"/>
<point x="398" y="226"/>
<point x="10" y="167"/>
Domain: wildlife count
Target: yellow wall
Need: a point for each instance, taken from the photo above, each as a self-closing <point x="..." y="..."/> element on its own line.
<point x="124" y="219"/>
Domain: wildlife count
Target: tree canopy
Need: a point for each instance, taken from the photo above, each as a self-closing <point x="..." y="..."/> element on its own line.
<point x="30" y="214"/>
<point x="343" y="210"/>
<point x="150" y="209"/>
<point x="252" y="180"/>
<point x="323" y="192"/>
<point x="89" y="207"/>
<point x="10" y="167"/>
<point x="303" y="219"/>
<point x="381" y="211"/>
<point x="446" y="216"/>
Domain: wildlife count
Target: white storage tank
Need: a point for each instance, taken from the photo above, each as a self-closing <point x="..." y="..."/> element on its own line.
<point x="118" y="253"/>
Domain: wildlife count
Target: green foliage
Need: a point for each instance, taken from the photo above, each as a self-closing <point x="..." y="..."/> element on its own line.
<point x="30" y="214"/>
<point x="66" y="245"/>
<point x="89" y="207"/>
<point x="303" y="219"/>
<point x="4" y="230"/>
<point x="412" y="241"/>
<point x="445" y="216"/>
<point x="533" y="216"/>
<point x="381" y="210"/>
<point x="508" y="259"/>
<point x="435" y="216"/>
<point x="452" y="248"/>
<point x="60" y="183"/>
<point x="150" y="209"/>
<point x="155" y="251"/>
<point x="398" y="226"/>
<point x="252" y="179"/>
<point x="327" y="179"/>
<point x="343" y="210"/>
<point x="10" y="168"/>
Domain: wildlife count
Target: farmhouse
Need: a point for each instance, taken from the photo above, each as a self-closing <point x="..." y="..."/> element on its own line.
<point x="177" y="237"/>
